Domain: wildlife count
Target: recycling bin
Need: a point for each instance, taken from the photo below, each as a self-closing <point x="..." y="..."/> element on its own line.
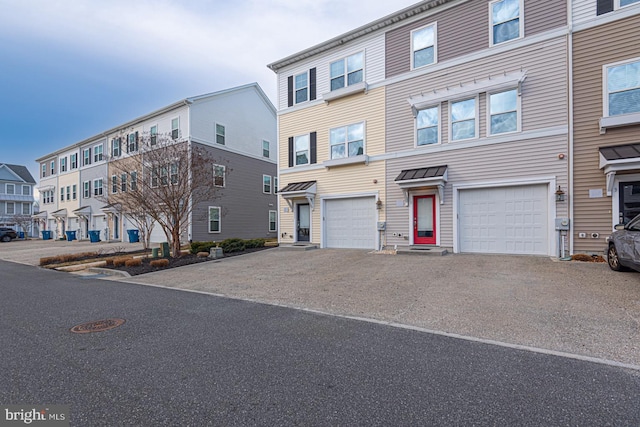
<point x="134" y="236"/>
<point x="46" y="234"/>
<point x="94" y="236"/>
<point x="71" y="235"/>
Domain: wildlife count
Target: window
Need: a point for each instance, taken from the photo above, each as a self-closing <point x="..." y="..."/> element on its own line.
<point x="503" y="110"/>
<point x="44" y="170"/>
<point x="63" y="164"/>
<point x="62" y="194"/>
<point x="347" y="71"/>
<point x="11" y="208"/>
<point x="214" y="219"/>
<point x="74" y="161"/>
<point x="622" y="86"/>
<point x="347" y="141"/>
<point x="463" y="119"/>
<point x="68" y="193"/>
<point x="97" y="153"/>
<point x="175" y="128"/>
<point x="427" y="126"/>
<point x="164" y="175"/>
<point x="220" y="134"/>
<point x="266" y="184"/>
<point x="53" y="167"/>
<point x="155" y="173"/>
<point x="153" y="135"/>
<point x="301" y="88"/>
<point x="624" y="3"/>
<point x="86" y="157"/>
<point x="218" y="175"/>
<point x="134" y="180"/>
<point x="132" y="144"/>
<point x="86" y="189"/>
<point x="123" y="182"/>
<point x="301" y="144"/>
<point x="74" y="191"/>
<point x="115" y="147"/>
<point x="275" y="185"/>
<point x="273" y="221"/>
<point x="47" y="197"/>
<point x="265" y="149"/>
<point x="423" y="46"/>
<point x="114" y="184"/>
<point x="506" y="21"/>
<point x="26" y="190"/>
<point x="97" y="187"/>
<point x="26" y="209"/>
<point x="10" y="189"/>
<point x="174" y="173"/>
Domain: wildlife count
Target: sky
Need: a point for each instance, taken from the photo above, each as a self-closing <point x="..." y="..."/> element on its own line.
<point x="70" y="69"/>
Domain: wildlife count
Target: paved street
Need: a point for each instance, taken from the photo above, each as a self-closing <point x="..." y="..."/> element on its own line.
<point x="191" y="359"/>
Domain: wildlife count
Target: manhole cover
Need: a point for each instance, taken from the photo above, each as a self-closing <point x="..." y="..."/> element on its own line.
<point x="97" y="326"/>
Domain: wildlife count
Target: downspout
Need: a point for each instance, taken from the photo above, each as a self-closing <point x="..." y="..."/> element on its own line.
<point x="571" y="165"/>
<point x="189" y="151"/>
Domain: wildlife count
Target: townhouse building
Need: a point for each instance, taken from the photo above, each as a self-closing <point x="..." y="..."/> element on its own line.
<point x="16" y="198"/>
<point x="237" y="125"/>
<point x="606" y="118"/>
<point x="443" y="125"/>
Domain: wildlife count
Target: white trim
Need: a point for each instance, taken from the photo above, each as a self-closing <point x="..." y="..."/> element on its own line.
<point x="308" y="86"/>
<point x="550" y="181"/>
<point x="345" y="91"/>
<point x="224" y="175"/>
<point x="295" y="220"/>
<point x="416" y="111"/>
<point x="170" y="130"/>
<point x="335" y="162"/>
<point x="615" y="200"/>
<point x="518" y="111"/>
<point x="276" y="221"/>
<point x="605" y="95"/>
<point x="295" y="152"/>
<point x="607" y="18"/>
<point x="520" y="23"/>
<point x="270" y="184"/>
<point x="435" y="45"/>
<point x="358" y="195"/>
<point x="215" y="133"/>
<point x="209" y="219"/>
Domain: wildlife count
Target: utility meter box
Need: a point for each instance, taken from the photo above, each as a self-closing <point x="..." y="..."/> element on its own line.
<point x="382" y="225"/>
<point x="562" y="224"/>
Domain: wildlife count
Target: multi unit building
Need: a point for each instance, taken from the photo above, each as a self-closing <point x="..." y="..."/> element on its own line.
<point x="445" y="125"/>
<point x="16" y="198"/>
<point x="238" y="126"/>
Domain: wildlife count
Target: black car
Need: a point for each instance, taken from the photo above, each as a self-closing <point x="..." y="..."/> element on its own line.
<point x="7" y="234"/>
<point x="624" y="246"/>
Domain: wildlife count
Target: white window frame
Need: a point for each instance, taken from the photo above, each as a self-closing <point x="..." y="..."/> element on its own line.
<point x="13" y="208"/>
<point x="346" y="141"/>
<point x="97" y="189"/>
<point x="224" y="172"/>
<point x="605" y="84"/>
<point x="86" y="189"/>
<point x="62" y="194"/>
<point x="153" y="135"/>
<point x="275" y="221"/>
<point x="53" y="167"/>
<point x="13" y="189"/>
<point x="28" y="210"/>
<point x="114" y="184"/>
<point x="116" y="147"/>
<point x="435" y="45"/>
<point x="266" y="150"/>
<point x="73" y="160"/>
<point x="520" y="22"/>
<point x="296" y="89"/>
<point x="223" y="135"/>
<point x="266" y="181"/>
<point x="476" y="99"/>
<point x="132" y="143"/>
<point x="175" y="129"/>
<point x="28" y="192"/>
<point x="438" y="106"/>
<point x="308" y="150"/>
<point x="86" y="156"/>
<point x="616" y="4"/>
<point x="44" y="170"/>
<point x="219" y="220"/>
<point x="68" y="193"/>
<point x="123" y="182"/>
<point x="345" y="74"/>
<point x="133" y="182"/>
<point x="63" y="164"/>
<point x="98" y="153"/>
<point x="174" y="173"/>
<point x="518" y="112"/>
<point x="74" y="192"/>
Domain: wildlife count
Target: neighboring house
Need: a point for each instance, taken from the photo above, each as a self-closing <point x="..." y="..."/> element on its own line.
<point x="441" y="125"/>
<point x="606" y="116"/>
<point x="16" y="198"/>
<point x="237" y="125"/>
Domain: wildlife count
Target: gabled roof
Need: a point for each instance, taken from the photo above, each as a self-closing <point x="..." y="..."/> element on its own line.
<point x="21" y="171"/>
<point x="376" y="25"/>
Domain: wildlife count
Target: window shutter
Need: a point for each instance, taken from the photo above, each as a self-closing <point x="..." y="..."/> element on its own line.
<point x="136" y="141"/>
<point x="290" y="91"/>
<point x="127" y="143"/>
<point x="604" y="6"/>
<point x="312" y="147"/>
<point x="312" y="84"/>
<point x="290" y="151"/>
<point x="89" y="155"/>
<point x="89" y="189"/>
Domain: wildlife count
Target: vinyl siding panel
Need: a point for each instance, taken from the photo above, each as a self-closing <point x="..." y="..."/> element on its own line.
<point x="583" y="10"/>
<point x="593" y="48"/>
<point x="374" y="50"/>
<point x="541" y="16"/>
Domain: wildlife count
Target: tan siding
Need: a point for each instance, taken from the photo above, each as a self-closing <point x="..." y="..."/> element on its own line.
<point x="594" y="48"/>
<point x="540" y="16"/>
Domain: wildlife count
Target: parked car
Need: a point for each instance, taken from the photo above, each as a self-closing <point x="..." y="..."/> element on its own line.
<point x="624" y="246"/>
<point x="7" y="234"/>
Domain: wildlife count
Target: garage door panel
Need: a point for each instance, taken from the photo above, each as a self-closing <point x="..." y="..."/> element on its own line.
<point x="350" y="223"/>
<point x="512" y="220"/>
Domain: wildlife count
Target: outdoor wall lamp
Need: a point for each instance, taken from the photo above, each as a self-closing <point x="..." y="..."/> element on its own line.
<point x="559" y="195"/>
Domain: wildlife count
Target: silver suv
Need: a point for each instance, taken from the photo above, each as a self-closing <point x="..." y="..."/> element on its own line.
<point x="623" y="251"/>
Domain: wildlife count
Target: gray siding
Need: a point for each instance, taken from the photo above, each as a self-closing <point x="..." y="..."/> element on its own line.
<point x="245" y="208"/>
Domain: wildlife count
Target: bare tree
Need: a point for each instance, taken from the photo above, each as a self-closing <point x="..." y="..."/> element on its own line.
<point x="162" y="179"/>
<point x="25" y="222"/>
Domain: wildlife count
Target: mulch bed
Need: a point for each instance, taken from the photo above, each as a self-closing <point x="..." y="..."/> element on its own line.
<point x="185" y="259"/>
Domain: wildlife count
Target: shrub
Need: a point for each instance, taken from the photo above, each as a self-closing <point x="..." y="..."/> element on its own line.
<point x="49" y="260"/>
<point x="120" y="261"/>
<point x="255" y="243"/>
<point x="135" y="262"/>
<point x="159" y="263"/>
<point x="201" y="247"/>
<point x="202" y="254"/>
<point x="232" y="245"/>
<point x="108" y="261"/>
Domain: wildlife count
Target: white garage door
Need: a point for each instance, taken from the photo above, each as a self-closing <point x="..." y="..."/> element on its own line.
<point x="350" y="223"/>
<point x="505" y="220"/>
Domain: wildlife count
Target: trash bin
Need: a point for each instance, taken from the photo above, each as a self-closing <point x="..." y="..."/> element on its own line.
<point x="71" y="235"/>
<point x="20" y="234"/>
<point x="46" y="234"/>
<point x="154" y="252"/>
<point x="94" y="236"/>
<point x="165" y="249"/>
<point x="133" y="236"/>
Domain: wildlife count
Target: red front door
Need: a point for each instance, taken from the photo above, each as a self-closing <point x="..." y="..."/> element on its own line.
<point x="424" y="220"/>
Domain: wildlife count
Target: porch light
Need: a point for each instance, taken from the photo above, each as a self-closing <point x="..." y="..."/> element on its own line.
<point x="559" y="195"/>
<point x="379" y="204"/>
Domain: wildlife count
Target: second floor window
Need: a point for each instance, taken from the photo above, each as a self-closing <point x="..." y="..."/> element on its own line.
<point x="266" y="184"/>
<point x="114" y="184"/>
<point x="423" y="46"/>
<point x="74" y="161"/>
<point x="98" y="151"/>
<point x="301" y="144"/>
<point x="623" y="88"/>
<point x="503" y="108"/>
<point x="86" y="156"/>
<point x="86" y="189"/>
<point x="115" y="147"/>
<point x="97" y="187"/>
<point x="63" y="164"/>
<point x="427" y="126"/>
<point x="218" y="175"/>
<point x="134" y="180"/>
<point x="10" y="189"/>
<point x="132" y="144"/>
<point x="347" y="141"/>
<point x="505" y="20"/>
<point x="74" y="191"/>
<point x="123" y="182"/>
<point x="463" y="119"/>
<point x="347" y="71"/>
